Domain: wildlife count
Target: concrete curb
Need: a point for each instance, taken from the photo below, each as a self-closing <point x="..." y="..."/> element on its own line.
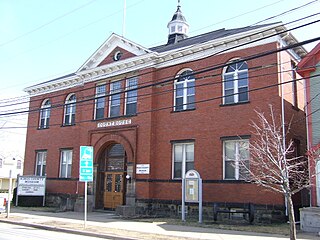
<point x="112" y="236"/>
<point x="66" y="230"/>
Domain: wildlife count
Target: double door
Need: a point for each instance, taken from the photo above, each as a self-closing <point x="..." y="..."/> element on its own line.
<point x="113" y="189"/>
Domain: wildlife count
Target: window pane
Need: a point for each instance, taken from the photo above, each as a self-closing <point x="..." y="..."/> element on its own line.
<point x="243" y="79"/>
<point x="229" y="170"/>
<point x="189" y="166"/>
<point x="230" y="150"/>
<point x="190" y="88"/>
<point x="243" y="94"/>
<point x="131" y="108"/>
<point x="189" y="152"/>
<point x="228" y="81"/>
<point x="177" y="170"/>
<point x="242" y="65"/>
<point x="191" y="103"/>
<point x="179" y="90"/>
<point x="178" y="153"/>
<point x="114" y="111"/>
<point x="229" y="96"/>
<point x="179" y="104"/>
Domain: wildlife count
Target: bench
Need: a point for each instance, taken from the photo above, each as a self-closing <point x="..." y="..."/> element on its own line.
<point x="230" y="208"/>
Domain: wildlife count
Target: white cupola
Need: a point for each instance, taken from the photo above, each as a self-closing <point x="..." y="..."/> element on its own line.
<point x="178" y="27"/>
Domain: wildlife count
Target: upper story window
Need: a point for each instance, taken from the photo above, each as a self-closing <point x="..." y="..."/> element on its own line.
<point x="1" y="162"/>
<point x="19" y="164"/>
<point x="45" y="114"/>
<point x="100" y="101"/>
<point x="235" y="87"/>
<point x="70" y="110"/>
<point x="184" y="90"/>
<point x="183" y="158"/>
<point x="236" y="159"/>
<point x="41" y="161"/>
<point x="131" y="96"/>
<point x="115" y="99"/>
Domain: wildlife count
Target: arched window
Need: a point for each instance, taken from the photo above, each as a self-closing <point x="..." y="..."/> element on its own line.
<point x="45" y="114"/>
<point x="184" y="89"/>
<point x="70" y="110"/>
<point x="235" y="86"/>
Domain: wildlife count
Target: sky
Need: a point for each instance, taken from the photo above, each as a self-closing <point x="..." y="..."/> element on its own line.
<point x="41" y="39"/>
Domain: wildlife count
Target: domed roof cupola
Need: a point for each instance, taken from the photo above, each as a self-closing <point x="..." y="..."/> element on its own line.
<point x="178" y="26"/>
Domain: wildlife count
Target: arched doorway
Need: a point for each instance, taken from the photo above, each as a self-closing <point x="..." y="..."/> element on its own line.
<point x="112" y="172"/>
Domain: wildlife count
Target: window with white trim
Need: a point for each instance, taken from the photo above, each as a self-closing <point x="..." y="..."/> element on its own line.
<point x="100" y="101"/>
<point x="131" y="96"/>
<point x="65" y="163"/>
<point x="115" y="99"/>
<point x="45" y="114"/>
<point x="41" y="161"/>
<point x="183" y="158"/>
<point x="70" y="110"/>
<point x="235" y="83"/>
<point x="236" y="159"/>
<point x="184" y="91"/>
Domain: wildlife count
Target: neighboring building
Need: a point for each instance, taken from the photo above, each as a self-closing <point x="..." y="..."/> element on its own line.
<point x="309" y="68"/>
<point x="7" y="165"/>
<point x="153" y="113"/>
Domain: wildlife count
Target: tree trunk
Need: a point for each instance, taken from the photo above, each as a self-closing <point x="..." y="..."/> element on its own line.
<point x="293" y="230"/>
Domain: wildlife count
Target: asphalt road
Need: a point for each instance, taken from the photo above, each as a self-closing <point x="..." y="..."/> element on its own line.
<point x="16" y="232"/>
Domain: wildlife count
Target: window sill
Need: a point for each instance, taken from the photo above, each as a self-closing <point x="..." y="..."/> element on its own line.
<point x="233" y="104"/>
<point x="184" y="110"/>
<point x="68" y="125"/>
<point x="42" y="128"/>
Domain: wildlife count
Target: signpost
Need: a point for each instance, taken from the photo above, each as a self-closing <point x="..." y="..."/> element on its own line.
<point x="192" y="191"/>
<point x="86" y="173"/>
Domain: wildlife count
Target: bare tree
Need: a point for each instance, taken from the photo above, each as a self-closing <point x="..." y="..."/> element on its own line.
<point x="274" y="165"/>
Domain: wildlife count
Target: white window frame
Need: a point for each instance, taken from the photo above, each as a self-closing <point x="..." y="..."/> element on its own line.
<point x="70" y="109"/>
<point x="66" y="161"/>
<point x="236" y="159"/>
<point x="45" y="114"/>
<point x="41" y="157"/>
<point x="131" y="88"/>
<point x="113" y="93"/>
<point x="99" y="95"/>
<point x="235" y="80"/>
<point x="184" y="160"/>
<point x="185" y="90"/>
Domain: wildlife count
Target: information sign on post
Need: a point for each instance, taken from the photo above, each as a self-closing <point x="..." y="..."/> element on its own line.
<point x="193" y="190"/>
<point x="86" y="164"/>
<point x="86" y="173"/>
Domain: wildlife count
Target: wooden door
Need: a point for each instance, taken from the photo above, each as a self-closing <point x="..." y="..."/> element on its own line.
<point x="113" y="189"/>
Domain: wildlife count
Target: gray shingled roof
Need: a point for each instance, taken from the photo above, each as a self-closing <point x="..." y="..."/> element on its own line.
<point x="220" y="33"/>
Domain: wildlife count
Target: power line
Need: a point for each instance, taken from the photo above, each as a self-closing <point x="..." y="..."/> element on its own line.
<point x="236" y="46"/>
<point x="291" y="10"/>
<point x="218" y="66"/>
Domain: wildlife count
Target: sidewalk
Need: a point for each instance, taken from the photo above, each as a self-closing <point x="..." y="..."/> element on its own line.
<point x="107" y="224"/>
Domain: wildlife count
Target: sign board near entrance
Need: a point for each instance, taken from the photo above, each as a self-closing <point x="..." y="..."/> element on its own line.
<point x="143" y="169"/>
<point x="31" y="186"/>
<point x="86" y="164"/>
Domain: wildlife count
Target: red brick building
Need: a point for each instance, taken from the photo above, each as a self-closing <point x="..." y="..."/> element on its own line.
<point x="153" y="113"/>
